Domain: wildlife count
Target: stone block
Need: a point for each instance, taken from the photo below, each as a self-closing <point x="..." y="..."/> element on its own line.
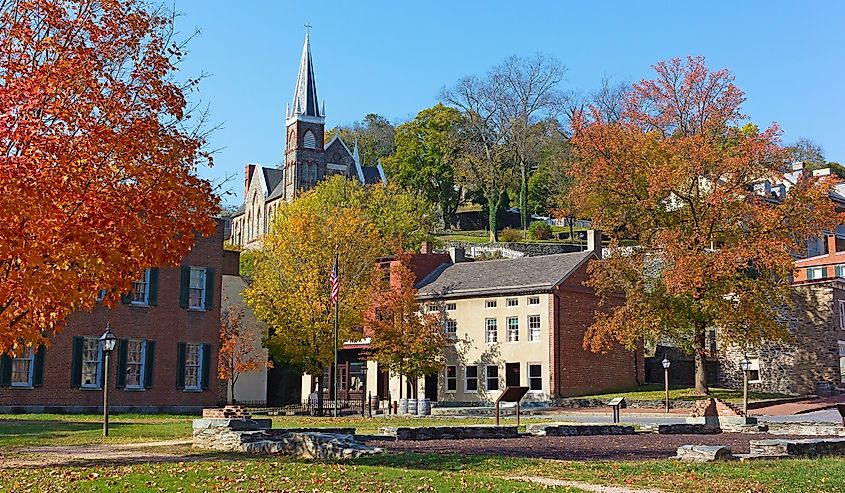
<point x="449" y="432"/>
<point x="688" y="429"/>
<point x="799" y="448"/>
<point x="233" y="424"/>
<point x="704" y="453"/>
<point x="552" y="429"/>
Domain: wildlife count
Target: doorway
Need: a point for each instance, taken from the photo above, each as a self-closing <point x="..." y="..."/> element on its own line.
<point x="512" y="375"/>
<point x="431" y="387"/>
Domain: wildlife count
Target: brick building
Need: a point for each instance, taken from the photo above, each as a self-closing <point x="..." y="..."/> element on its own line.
<point x="165" y="358"/>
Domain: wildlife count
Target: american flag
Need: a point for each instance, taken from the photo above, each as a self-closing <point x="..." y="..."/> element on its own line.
<point x="335" y="281"/>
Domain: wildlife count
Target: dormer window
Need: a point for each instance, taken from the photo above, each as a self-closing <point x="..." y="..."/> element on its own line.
<point x="309" y="140"/>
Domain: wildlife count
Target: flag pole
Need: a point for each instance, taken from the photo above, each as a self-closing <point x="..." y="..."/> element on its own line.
<point x="336" y="309"/>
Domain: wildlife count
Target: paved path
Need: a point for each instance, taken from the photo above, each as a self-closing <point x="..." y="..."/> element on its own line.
<point x="596" y="488"/>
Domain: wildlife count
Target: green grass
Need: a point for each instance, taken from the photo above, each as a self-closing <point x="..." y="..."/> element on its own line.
<point x="655" y="392"/>
<point x="430" y="472"/>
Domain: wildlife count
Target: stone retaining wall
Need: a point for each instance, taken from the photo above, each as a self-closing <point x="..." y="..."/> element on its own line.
<point x="559" y="430"/>
<point x="449" y="432"/>
<point x="688" y="429"/>
<point x="798" y="448"/>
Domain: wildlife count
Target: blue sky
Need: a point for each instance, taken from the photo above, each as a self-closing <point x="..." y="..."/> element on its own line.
<point x="393" y="58"/>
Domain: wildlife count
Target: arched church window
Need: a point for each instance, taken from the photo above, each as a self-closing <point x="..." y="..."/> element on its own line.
<point x="309" y="140"/>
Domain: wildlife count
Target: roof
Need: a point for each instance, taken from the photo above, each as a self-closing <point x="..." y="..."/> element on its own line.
<point x="371" y="174"/>
<point x="274" y="177"/>
<point x="305" y="93"/>
<point x="506" y="276"/>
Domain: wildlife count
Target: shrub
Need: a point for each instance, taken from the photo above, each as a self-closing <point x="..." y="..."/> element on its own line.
<point x="539" y="230"/>
<point x="510" y="235"/>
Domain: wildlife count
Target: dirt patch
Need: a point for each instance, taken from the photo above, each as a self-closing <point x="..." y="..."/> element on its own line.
<point x="167" y="451"/>
<point x="642" y="446"/>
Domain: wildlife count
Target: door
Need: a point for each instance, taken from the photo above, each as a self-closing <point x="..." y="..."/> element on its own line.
<point x="512" y="375"/>
<point x="431" y="387"/>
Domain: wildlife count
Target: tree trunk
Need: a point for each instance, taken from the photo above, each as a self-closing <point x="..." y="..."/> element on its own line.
<point x="698" y="354"/>
<point x="523" y="196"/>
<point x="414" y="387"/>
<point x="492" y="222"/>
<point x="231" y="396"/>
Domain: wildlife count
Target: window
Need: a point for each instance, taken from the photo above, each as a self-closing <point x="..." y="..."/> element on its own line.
<point x="814" y="273"/>
<point x="101" y="295"/>
<point x="140" y="289"/>
<point x="451" y="329"/>
<point x="471" y="379"/>
<point x="513" y="301"/>
<point x="840" y="270"/>
<point x="431" y="308"/>
<point x="135" y="352"/>
<point x="22" y="369"/>
<point x="842" y="314"/>
<point x="492" y="378"/>
<point x="533" y="328"/>
<point x="490" y="304"/>
<point x="450" y="307"/>
<point x="841" y="361"/>
<point x="535" y="377"/>
<point x="513" y="329"/>
<point x="309" y="140"/>
<point x="91" y="357"/>
<point x="451" y="378"/>
<point x="193" y="363"/>
<point x="491" y="335"/>
<point x="533" y="300"/>
<point x="196" y="293"/>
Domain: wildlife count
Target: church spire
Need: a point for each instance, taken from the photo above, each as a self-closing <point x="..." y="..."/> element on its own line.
<point x="305" y="94"/>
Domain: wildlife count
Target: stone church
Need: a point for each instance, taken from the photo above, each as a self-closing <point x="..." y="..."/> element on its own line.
<point x="308" y="159"/>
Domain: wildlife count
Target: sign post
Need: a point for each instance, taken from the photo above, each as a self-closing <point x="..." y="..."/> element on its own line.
<point x="511" y="394"/>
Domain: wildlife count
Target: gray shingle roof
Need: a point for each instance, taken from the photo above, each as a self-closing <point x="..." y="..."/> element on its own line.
<point x="371" y="174"/>
<point x="273" y="178"/>
<point x="497" y="277"/>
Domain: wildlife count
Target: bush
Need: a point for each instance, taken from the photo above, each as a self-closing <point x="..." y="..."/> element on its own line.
<point x="510" y="235"/>
<point x="539" y="230"/>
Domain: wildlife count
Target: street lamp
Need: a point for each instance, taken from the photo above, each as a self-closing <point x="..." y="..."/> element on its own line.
<point x="107" y="340"/>
<point x="745" y="365"/>
<point x="666" y="363"/>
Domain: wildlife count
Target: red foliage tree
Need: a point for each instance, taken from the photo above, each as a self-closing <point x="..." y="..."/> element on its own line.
<point x="97" y="168"/>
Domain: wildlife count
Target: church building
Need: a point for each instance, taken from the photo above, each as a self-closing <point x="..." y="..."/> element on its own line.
<point x="308" y="159"/>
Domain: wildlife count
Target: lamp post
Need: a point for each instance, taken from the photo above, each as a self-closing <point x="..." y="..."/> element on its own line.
<point x="666" y="363"/>
<point x="745" y="365"/>
<point x="365" y="402"/>
<point x="107" y="340"/>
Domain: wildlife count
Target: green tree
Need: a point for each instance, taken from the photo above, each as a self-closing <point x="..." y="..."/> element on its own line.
<point x="375" y="135"/>
<point x="424" y="158"/>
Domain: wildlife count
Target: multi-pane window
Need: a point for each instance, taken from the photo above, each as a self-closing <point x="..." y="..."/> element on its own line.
<point x="533" y="327"/>
<point x="193" y="362"/>
<point x="91" y="362"/>
<point x="533" y="300"/>
<point x="513" y="301"/>
<point x="490" y="304"/>
<point x="135" y="364"/>
<point x="431" y="308"/>
<point x="141" y="289"/>
<point x="471" y="379"/>
<point x="816" y="273"/>
<point x="451" y="378"/>
<point x="535" y="377"/>
<point x="513" y="329"/>
<point x="196" y="290"/>
<point x="840" y="270"/>
<point x="450" y="307"/>
<point x="22" y="369"/>
<point x="451" y="328"/>
<point x="491" y="331"/>
<point x="492" y="378"/>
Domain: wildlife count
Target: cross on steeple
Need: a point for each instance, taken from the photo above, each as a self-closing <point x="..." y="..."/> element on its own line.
<point x="307" y="27"/>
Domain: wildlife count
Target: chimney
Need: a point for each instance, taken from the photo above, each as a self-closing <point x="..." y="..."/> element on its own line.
<point x="457" y="254"/>
<point x="249" y="169"/>
<point x="594" y="241"/>
<point x="427" y="247"/>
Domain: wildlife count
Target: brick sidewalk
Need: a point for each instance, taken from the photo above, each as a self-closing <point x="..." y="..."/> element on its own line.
<point x="801" y="407"/>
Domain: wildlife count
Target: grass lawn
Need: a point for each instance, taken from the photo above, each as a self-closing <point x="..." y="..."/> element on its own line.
<point x="655" y="392"/>
<point x="441" y="473"/>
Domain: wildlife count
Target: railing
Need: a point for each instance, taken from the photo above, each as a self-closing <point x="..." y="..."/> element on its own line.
<point x="309" y="408"/>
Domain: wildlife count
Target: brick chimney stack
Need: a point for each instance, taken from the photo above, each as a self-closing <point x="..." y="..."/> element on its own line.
<point x="594" y="241"/>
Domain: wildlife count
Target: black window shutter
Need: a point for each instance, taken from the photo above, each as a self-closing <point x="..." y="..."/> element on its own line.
<point x="123" y="348"/>
<point x="76" y="365"/>
<point x="209" y="288"/>
<point x="206" y="365"/>
<point x="180" y="365"/>
<point x="184" y="284"/>
<point x="5" y="371"/>
<point x="153" y="287"/>
<point x="38" y="368"/>
<point x="149" y="356"/>
<point x="126" y="298"/>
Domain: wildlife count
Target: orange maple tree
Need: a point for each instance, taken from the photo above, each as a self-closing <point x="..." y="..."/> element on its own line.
<point x="682" y="172"/>
<point x="404" y="340"/>
<point x="240" y="349"/>
<point x="98" y="168"/>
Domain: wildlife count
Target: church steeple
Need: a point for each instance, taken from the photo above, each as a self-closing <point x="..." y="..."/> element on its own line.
<point x="305" y="93"/>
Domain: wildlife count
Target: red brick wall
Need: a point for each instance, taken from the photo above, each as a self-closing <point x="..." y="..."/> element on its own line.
<point x="166" y="323"/>
<point x="231" y="263"/>
<point x="575" y="371"/>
